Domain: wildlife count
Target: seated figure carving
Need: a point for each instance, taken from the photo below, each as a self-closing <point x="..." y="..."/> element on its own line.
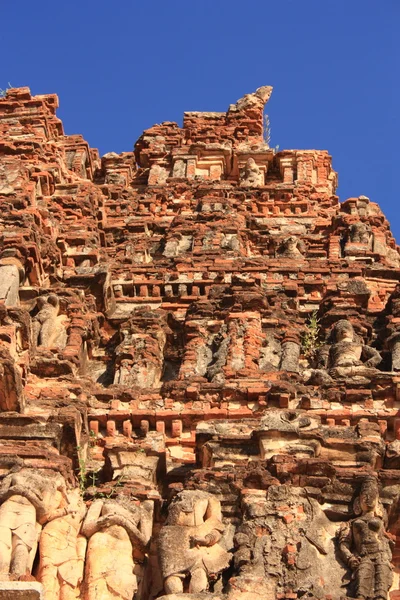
<point x="360" y="233"/>
<point x="118" y="532"/>
<point x="252" y="174"/>
<point x="365" y="546"/>
<point x="29" y="500"/>
<point x="189" y="542"/>
<point x="291" y="247"/>
<point x="346" y="356"/>
<point x="48" y="326"/>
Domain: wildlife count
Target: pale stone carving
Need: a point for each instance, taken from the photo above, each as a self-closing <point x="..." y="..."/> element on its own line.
<point x="118" y="533"/>
<point x="189" y="542"/>
<point x="291" y="247"/>
<point x="47" y="325"/>
<point x="252" y="175"/>
<point x="360" y="233"/>
<point x="347" y="356"/>
<point x="12" y="274"/>
<point x="62" y="552"/>
<point x="29" y="499"/>
<point x="365" y="546"/>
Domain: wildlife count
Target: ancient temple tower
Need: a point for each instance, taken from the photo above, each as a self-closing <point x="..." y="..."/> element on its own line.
<point x="200" y="367"/>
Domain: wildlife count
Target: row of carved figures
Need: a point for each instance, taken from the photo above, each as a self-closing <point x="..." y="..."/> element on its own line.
<point x="99" y="553"/>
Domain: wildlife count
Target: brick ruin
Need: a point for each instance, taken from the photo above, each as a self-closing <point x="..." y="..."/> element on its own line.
<point x="200" y="367"/>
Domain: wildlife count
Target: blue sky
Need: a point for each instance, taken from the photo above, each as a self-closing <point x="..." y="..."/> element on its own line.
<point x="120" y="67"/>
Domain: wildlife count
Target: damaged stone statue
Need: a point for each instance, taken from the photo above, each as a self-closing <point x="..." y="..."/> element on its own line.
<point x="189" y="543"/>
<point x="366" y="547"/>
<point x="346" y="356"/>
<point x="118" y="532"/>
<point x="62" y="552"/>
<point x="29" y="500"/>
<point x="47" y="325"/>
<point x="252" y="175"/>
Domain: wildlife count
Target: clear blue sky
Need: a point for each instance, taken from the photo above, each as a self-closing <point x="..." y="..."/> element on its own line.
<point x="119" y="67"/>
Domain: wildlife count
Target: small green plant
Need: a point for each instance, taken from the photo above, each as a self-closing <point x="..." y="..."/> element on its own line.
<point x="113" y="490"/>
<point x="3" y="93"/>
<point x="310" y="340"/>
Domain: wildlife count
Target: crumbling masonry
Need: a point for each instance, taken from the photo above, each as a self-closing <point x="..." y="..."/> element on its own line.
<point x="200" y="367"/>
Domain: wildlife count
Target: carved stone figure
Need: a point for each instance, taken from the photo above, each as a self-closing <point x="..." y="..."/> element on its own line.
<point x="62" y="552"/>
<point x="359" y="233"/>
<point x="47" y="325"/>
<point x="12" y="274"/>
<point x="252" y="174"/>
<point x="29" y="499"/>
<point x="365" y="546"/>
<point x="118" y="533"/>
<point x="347" y="356"/>
<point x="189" y="542"/>
<point x="291" y="247"/>
<point x="140" y="355"/>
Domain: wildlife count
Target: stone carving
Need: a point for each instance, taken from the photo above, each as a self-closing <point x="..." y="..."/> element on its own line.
<point x="29" y="500"/>
<point x="252" y="174"/>
<point x="360" y="233"/>
<point x="62" y="552"/>
<point x="12" y="274"/>
<point x="291" y="247"/>
<point x="365" y="546"/>
<point x="118" y="532"/>
<point x="140" y="355"/>
<point x="48" y="327"/>
<point x="190" y="542"/>
<point x="186" y="299"/>
<point x="346" y="356"/>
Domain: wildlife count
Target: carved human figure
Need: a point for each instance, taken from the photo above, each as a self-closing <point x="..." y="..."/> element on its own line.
<point x="347" y="356"/>
<point x="29" y="500"/>
<point x="365" y="546"/>
<point x="189" y="542"/>
<point x="118" y="533"/>
<point x="252" y="174"/>
<point x="12" y="274"/>
<point x="47" y="325"/>
<point x="62" y="552"/>
<point x="359" y="233"/>
<point x="291" y="247"/>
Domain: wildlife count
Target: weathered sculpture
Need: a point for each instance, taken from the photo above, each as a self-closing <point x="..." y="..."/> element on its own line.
<point x="252" y="174"/>
<point x="62" y="552"/>
<point x="291" y="247"/>
<point x="346" y="356"/>
<point x="12" y="274"/>
<point x="118" y="532"/>
<point x="48" y="326"/>
<point x="360" y="233"/>
<point x="29" y="499"/>
<point x="189" y="543"/>
<point x="365" y="546"/>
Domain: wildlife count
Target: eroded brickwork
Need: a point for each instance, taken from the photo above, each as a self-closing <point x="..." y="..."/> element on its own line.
<point x="200" y="367"/>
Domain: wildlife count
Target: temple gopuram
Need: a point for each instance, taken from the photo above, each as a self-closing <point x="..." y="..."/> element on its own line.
<point x="199" y="367"/>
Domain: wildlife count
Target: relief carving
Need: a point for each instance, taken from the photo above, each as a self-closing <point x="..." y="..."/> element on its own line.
<point x="29" y="500"/>
<point x="190" y="543"/>
<point x="118" y="532"/>
<point x="366" y="547"/>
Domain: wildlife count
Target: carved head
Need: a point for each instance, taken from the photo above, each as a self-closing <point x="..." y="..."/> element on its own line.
<point x="368" y="499"/>
<point x="343" y="331"/>
<point x="251" y="165"/>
